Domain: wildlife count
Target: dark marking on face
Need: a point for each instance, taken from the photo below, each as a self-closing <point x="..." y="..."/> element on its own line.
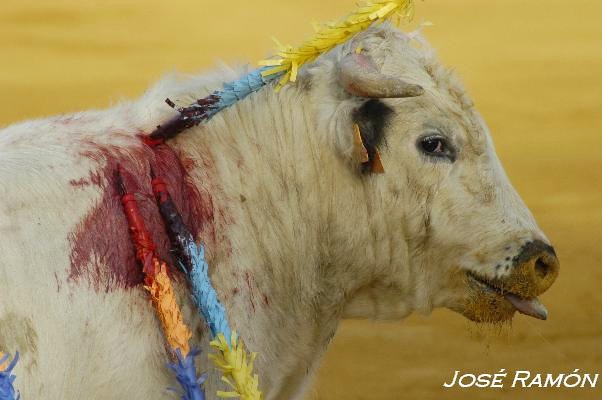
<point x="372" y="118"/>
<point x="101" y="249"/>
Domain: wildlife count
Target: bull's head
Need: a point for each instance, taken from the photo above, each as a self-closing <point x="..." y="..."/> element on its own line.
<point x="452" y="231"/>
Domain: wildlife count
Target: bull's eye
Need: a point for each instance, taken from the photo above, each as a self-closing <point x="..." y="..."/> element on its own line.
<point x="436" y="146"/>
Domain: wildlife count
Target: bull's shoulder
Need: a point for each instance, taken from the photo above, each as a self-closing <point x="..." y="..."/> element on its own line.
<point x="55" y="170"/>
<point x="36" y="155"/>
<point x="59" y="212"/>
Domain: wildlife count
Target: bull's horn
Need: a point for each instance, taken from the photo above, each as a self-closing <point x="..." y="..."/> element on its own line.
<point x="359" y="76"/>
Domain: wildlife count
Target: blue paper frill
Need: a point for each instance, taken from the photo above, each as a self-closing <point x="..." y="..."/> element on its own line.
<point x="185" y="370"/>
<point x="241" y="88"/>
<point x="204" y="294"/>
<point x="7" y="390"/>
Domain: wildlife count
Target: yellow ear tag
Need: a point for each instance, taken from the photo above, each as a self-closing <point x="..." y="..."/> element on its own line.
<point x="377" y="164"/>
<point x="360" y="148"/>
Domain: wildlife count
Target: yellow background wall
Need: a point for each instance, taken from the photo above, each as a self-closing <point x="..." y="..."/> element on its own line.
<point x="534" y="68"/>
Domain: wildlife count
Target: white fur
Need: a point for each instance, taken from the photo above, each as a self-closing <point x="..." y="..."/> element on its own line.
<point x="319" y="239"/>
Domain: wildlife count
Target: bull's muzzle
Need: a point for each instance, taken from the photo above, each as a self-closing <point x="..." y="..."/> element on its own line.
<point x="533" y="271"/>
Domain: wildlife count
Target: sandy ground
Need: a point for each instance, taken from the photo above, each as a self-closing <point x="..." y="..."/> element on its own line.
<point x="534" y="68"/>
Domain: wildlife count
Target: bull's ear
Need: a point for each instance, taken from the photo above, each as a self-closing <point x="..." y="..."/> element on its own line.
<point x="369" y="124"/>
<point x="350" y="90"/>
<point x="359" y="76"/>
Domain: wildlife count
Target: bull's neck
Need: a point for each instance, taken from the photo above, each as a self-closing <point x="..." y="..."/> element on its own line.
<point x="293" y="216"/>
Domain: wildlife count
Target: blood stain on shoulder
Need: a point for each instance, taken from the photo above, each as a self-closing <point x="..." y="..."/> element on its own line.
<point x="102" y="252"/>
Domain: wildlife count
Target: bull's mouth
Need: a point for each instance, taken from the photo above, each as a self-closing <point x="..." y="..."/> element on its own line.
<point x="532" y="307"/>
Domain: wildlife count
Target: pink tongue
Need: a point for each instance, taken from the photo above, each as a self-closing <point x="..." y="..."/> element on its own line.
<point x="532" y="307"/>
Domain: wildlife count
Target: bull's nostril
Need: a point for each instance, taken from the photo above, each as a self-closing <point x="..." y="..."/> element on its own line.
<point x="541" y="268"/>
<point x="535" y="270"/>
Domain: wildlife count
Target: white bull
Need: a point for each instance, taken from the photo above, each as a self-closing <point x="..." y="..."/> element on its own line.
<point x="298" y="234"/>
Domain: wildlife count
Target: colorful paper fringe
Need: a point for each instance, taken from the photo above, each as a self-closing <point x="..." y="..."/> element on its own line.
<point x="285" y="66"/>
<point x="217" y="101"/>
<point x="7" y="390"/>
<point x="193" y="257"/>
<point x="164" y="301"/>
<point x="204" y="294"/>
<point x="185" y="372"/>
<point x="179" y="234"/>
<point x="238" y="90"/>
<point x="290" y="59"/>
<point x="159" y="285"/>
<point x="232" y="357"/>
<point x="237" y="372"/>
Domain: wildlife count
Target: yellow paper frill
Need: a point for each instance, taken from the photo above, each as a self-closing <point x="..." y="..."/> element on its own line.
<point x="3" y="365"/>
<point x="290" y="59"/>
<point x="236" y="368"/>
